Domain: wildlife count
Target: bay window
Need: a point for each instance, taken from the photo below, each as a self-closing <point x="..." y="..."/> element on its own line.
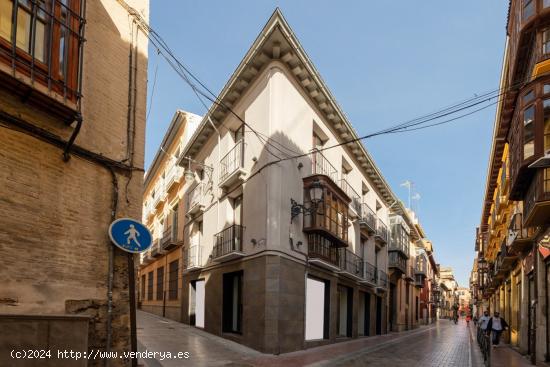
<point x="47" y="35"/>
<point x="528" y="9"/>
<point x="529" y="132"/>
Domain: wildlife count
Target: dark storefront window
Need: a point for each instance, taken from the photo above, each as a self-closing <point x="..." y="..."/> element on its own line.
<point x="232" y="318"/>
<point x="150" y="286"/>
<point x="142" y="295"/>
<point x="173" y="280"/>
<point x="160" y="283"/>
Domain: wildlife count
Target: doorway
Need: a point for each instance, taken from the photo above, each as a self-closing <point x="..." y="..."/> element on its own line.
<point x="196" y="303"/>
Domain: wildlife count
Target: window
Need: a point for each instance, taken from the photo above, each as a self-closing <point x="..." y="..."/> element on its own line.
<point x="529" y="132"/>
<point x="173" y="280"/>
<point x="150" y="286"/>
<point x="546" y="124"/>
<point x="546" y="183"/>
<point x="528" y="9"/>
<point x="345" y="311"/>
<point x="232" y="317"/>
<point x="528" y="97"/>
<point x="545" y="3"/>
<point x="47" y="40"/>
<point x="546" y="44"/>
<point x="160" y="283"/>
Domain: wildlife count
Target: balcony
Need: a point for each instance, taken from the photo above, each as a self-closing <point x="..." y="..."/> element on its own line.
<point x="537" y="200"/>
<point x="156" y="251"/>
<point x="322" y="252"/>
<point x="195" y="203"/>
<point x="322" y="166"/>
<point x="173" y="176"/>
<point x="398" y="245"/>
<point x="193" y="257"/>
<point x="232" y="170"/>
<point x="397" y="261"/>
<point x="148" y="210"/>
<point x="350" y="264"/>
<point x="146" y="258"/>
<point x="228" y="244"/>
<point x="520" y="239"/>
<point x="504" y="261"/>
<point x="370" y="272"/>
<point x="421" y="266"/>
<point x="159" y="194"/>
<point x="169" y="238"/>
<point x="367" y="220"/>
<point x="41" y="54"/>
<point x="381" y="232"/>
<point x="330" y="220"/>
<point x="382" y="279"/>
<point x="409" y="275"/>
<point x="419" y="280"/>
<point x="355" y="206"/>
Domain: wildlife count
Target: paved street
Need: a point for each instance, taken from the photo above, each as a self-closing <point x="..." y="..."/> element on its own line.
<point x="442" y="344"/>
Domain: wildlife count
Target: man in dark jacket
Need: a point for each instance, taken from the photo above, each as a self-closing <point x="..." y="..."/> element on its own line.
<point x="496" y="326"/>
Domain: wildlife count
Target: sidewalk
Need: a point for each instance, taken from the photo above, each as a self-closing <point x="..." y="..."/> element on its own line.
<point x="434" y="345"/>
<point x="506" y="356"/>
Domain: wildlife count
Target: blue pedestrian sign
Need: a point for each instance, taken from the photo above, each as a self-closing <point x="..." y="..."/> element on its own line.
<point x="130" y="235"/>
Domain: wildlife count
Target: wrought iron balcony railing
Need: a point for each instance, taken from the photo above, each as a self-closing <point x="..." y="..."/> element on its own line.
<point x="232" y="162"/>
<point x="382" y="279"/>
<point x="370" y="272"/>
<point x="368" y="218"/>
<point x="322" y="166"/>
<point x="381" y="231"/>
<point x="228" y="241"/>
<point x="321" y="248"/>
<point x="353" y="195"/>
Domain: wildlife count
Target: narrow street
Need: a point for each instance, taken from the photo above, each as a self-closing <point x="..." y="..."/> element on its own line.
<point x="441" y="344"/>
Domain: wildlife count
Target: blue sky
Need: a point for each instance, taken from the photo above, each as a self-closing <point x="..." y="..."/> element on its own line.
<point x="385" y="62"/>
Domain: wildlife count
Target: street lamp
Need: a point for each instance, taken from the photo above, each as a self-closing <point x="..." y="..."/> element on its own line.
<point x="189" y="174"/>
<point x="315" y="196"/>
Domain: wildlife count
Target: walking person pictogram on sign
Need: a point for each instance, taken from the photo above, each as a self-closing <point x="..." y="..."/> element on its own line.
<point x="133" y="234"/>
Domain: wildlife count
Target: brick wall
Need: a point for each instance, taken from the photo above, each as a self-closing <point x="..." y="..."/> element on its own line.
<point x="55" y="215"/>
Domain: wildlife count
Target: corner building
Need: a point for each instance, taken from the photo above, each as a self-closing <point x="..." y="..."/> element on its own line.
<point x="286" y="254"/>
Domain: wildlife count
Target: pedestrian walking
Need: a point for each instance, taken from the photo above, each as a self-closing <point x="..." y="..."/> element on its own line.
<point x="496" y="326"/>
<point x="468" y="318"/>
<point x="475" y="320"/>
<point x="484" y="320"/>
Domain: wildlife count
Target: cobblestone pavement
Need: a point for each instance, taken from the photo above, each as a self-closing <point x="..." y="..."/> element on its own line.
<point x="441" y="344"/>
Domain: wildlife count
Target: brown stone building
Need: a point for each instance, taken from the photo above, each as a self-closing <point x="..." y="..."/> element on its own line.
<point x="72" y="121"/>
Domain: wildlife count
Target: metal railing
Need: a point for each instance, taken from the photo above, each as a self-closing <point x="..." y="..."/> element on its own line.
<point x="353" y="195"/>
<point x="193" y="256"/>
<point x="368" y="217"/>
<point x="229" y="240"/>
<point x="350" y="262"/>
<point x="382" y="279"/>
<point x="370" y="272"/>
<point x="397" y="261"/>
<point x="321" y="248"/>
<point x="516" y="230"/>
<point x="173" y="174"/>
<point x="322" y="166"/>
<point x="232" y="161"/>
<point x="168" y="236"/>
<point x="381" y="230"/>
<point x="195" y="195"/>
